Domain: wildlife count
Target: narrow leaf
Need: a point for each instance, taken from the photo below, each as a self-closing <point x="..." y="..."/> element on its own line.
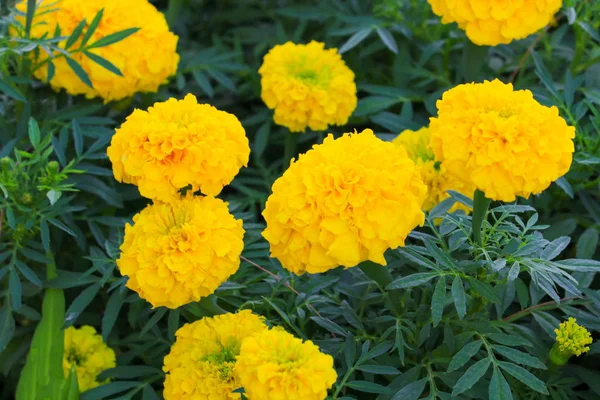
<point x="524" y="376"/>
<point x="464" y="355"/>
<point x="472" y="376"/>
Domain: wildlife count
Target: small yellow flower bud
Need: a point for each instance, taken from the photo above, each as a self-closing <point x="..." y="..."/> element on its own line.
<point x="571" y="339"/>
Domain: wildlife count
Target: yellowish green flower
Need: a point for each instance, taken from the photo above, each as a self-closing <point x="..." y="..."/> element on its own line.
<point x="572" y="339"/>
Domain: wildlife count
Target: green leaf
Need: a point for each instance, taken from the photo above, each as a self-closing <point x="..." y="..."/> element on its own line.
<point x="524" y="376"/>
<point x="11" y="92"/>
<point x="79" y="71"/>
<point x="484" y="290"/>
<point x="378" y="369"/>
<point x="354" y="40"/>
<point x="387" y="38"/>
<point x="438" y="301"/>
<point x="574" y="264"/>
<point x="412" y="280"/>
<point x="103" y="62"/>
<point x="519" y="357"/>
<point x="7" y="327"/>
<point x="51" y="71"/>
<point x="105" y="391"/>
<point x="330" y="325"/>
<point x="113" y="307"/>
<point x="75" y="34"/>
<point x="458" y="294"/>
<point x="45" y="234"/>
<point x="113" y="38"/>
<point x="16" y="291"/>
<point x="203" y="82"/>
<point x="499" y="388"/>
<point x="158" y="314"/>
<point x="544" y="75"/>
<point x="77" y="137"/>
<point x="173" y="323"/>
<point x="261" y="139"/>
<point x="461" y="198"/>
<point x="92" y="28"/>
<point x="374" y="104"/>
<point x="70" y="387"/>
<point x="464" y="355"/>
<point x="34" y="133"/>
<point x="367" y="387"/>
<point x="587" y="243"/>
<point x="80" y="303"/>
<point x="472" y="376"/>
<point x="565" y="186"/>
<point x="28" y="274"/>
<point x="149" y="394"/>
<point x="412" y="391"/>
<point x="129" y="372"/>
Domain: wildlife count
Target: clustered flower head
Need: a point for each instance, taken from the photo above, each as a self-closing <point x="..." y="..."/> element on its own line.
<point x="500" y="140"/>
<point x="135" y="56"/>
<point x="275" y="365"/>
<point x="343" y="202"/>
<point x="307" y="86"/>
<point x="434" y="174"/>
<point x="179" y="143"/>
<point x="85" y="350"/>
<point x="572" y="339"/>
<point x="201" y="363"/>
<point x="493" y="22"/>
<point x="181" y="251"/>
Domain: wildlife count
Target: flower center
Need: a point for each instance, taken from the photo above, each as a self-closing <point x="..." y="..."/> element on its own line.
<point x="224" y="361"/>
<point x="307" y="76"/>
<point x="75" y="358"/>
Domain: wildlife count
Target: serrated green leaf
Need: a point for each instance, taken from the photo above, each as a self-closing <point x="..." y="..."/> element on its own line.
<point x="113" y="38"/>
<point x="79" y="71"/>
<point x="92" y="28"/>
<point x="524" y="376"/>
<point x="499" y="388"/>
<point x="34" y="133"/>
<point x="28" y="273"/>
<point x="458" y="294"/>
<point x="387" y="38"/>
<point x="15" y="288"/>
<point x="354" y="40"/>
<point x="587" y="243"/>
<point x="367" y="387"/>
<point x="11" y="91"/>
<point x="464" y="355"/>
<point x="157" y="316"/>
<point x="438" y="301"/>
<point x="519" y="357"/>
<point x="113" y="307"/>
<point x="378" y="369"/>
<point x="484" y="290"/>
<point x="80" y="303"/>
<point x="412" y="391"/>
<point x="330" y="325"/>
<point x="472" y="376"/>
<point x="104" y="63"/>
<point x="412" y="280"/>
<point x="75" y="34"/>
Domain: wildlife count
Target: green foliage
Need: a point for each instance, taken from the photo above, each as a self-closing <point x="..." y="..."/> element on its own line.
<point x="450" y="316"/>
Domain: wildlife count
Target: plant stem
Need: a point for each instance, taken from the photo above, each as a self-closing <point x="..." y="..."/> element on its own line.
<point x="382" y="277"/>
<point x="480" y="208"/>
<point x="289" y="149"/>
<point x="549" y="305"/>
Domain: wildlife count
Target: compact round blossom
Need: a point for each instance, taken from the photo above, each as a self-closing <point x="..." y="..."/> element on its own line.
<point x="307" y="86"/>
<point x="275" y="365"/>
<point x="176" y="144"/>
<point x="146" y="58"/>
<point x="200" y="365"/>
<point x="85" y="350"/>
<point x="343" y="202"/>
<point x="434" y="174"/>
<point x="493" y="22"/>
<point x="572" y="339"/>
<point x="500" y="140"/>
<point x="178" y="252"/>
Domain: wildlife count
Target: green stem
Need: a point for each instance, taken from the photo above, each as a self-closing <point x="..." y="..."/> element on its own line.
<point x="474" y="58"/>
<point x="382" y="277"/>
<point x="480" y="208"/>
<point x="549" y="305"/>
<point x="289" y="148"/>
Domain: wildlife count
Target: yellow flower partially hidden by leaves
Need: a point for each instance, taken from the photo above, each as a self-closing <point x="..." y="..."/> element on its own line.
<point x="307" y="86"/>
<point x="500" y="140"/>
<point x="179" y="143"/>
<point x="85" y="350"/>
<point x="434" y="174"/>
<point x="181" y="251"/>
<point x="145" y="59"/>
<point x="200" y="365"/>
<point x="343" y="202"/>
<point x="275" y="365"/>
<point x="493" y="22"/>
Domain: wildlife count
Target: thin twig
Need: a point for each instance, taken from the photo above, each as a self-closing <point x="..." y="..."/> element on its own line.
<point x="528" y="310"/>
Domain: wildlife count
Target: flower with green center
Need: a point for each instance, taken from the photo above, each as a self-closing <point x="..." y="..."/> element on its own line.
<point x="572" y="339"/>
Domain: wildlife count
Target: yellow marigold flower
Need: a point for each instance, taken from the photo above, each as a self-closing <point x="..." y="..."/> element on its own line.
<point x="572" y="339"/>
<point x="178" y="143"/>
<point x="146" y="59"/>
<point x="434" y="174"/>
<point x="200" y="365"/>
<point x="307" y="86"/>
<point x="501" y="141"/>
<point x="181" y="251"/>
<point x="275" y="365"/>
<point x="343" y="202"/>
<point x="493" y="22"/>
<point x="85" y="350"/>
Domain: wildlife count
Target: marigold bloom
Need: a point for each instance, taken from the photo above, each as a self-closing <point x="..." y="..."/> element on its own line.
<point x="343" y="202"/>
<point x="85" y="350"/>
<point x="275" y="365"/>
<point x="500" y="140"/>
<point x="493" y="22"/>
<point x="181" y="251"/>
<point x="201" y="363"/>
<point x="572" y="339"/>
<point x="135" y="56"/>
<point x="307" y="86"/>
<point x="178" y="143"/>
<point x="434" y="174"/>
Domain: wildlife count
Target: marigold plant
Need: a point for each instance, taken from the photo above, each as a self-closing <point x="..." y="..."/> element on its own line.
<point x="178" y="252"/>
<point x="572" y="339"/>
<point x="135" y="57"/>
<point x="274" y="364"/>
<point x="501" y="140"/>
<point x="434" y="174"/>
<point x="493" y="22"/>
<point x="201" y="363"/>
<point x="85" y="350"/>
<point x="177" y="143"/>
<point x="307" y="86"/>
<point x="343" y="202"/>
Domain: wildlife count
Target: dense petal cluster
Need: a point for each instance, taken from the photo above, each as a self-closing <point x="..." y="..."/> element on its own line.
<point x="307" y="86"/>
<point x="178" y="143"/>
<point x="573" y="338"/>
<point x="85" y="350"/>
<point x="434" y="174"/>
<point x="135" y="56"/>
<point x="343" y="202"/>
<point x="493" y="22"/>
<point x="201" y="363"/>
<point x="500" y="140"/>
<point x="181" y="251"/>
<point x="275" y="365"/>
